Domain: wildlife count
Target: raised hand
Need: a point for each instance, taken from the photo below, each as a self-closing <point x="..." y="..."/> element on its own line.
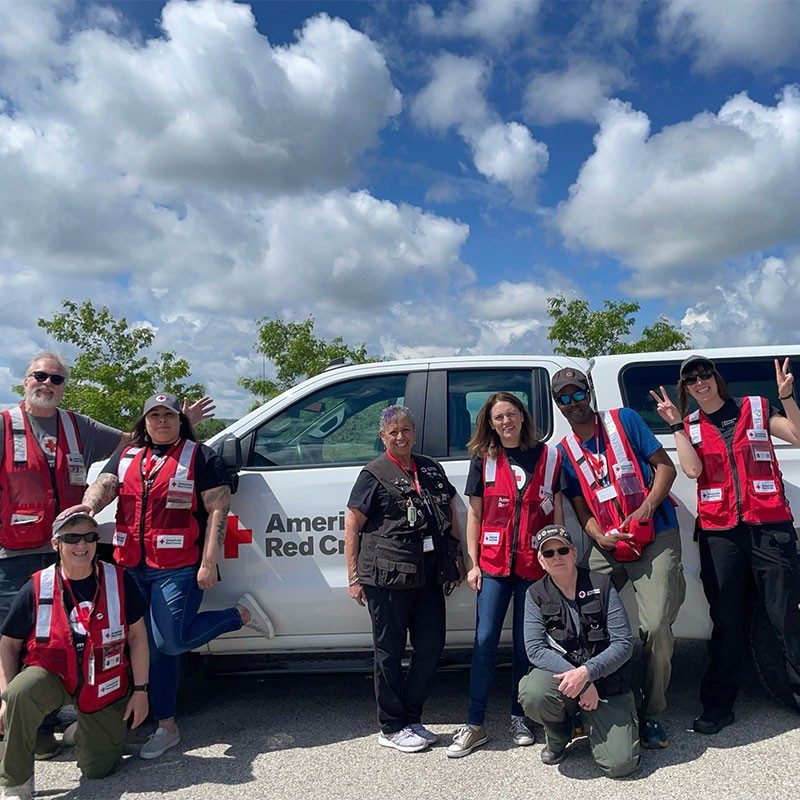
<point x="667" y="410"/>
<point x="784" y="378"/>
<point x="201" y="409"/>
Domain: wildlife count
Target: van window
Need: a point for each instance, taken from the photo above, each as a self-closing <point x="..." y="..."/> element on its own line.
<point x="336" y="425"/>
<point x="468" y="390"/>
<point x="744" y="376"/>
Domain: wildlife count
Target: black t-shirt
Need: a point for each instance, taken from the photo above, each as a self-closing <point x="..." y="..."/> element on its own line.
<point x="209" y="473"/>
<point x="523" y="465"/>
<point x="21" y="619"/>
<point x="725" y="419"/>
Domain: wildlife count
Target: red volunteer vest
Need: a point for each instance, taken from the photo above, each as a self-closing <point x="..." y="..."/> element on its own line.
<point x="155" y="508"/>
<point x="29" y="498"/>
<point x="626" y="490"/>
<point x="100" y="677"/>
<point x="753" y="466"/>
<point x="505" y="548"/>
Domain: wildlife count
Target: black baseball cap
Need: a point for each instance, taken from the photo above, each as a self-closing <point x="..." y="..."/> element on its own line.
<point x="77" y="516"/>
<point x="552" y="532"/>
<point x="568" y="377"/>
<point x="169" y="401"/>
<point x="695" y="360"/>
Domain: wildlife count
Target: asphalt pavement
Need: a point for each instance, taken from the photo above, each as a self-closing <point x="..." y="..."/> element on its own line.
<point x="305" y="737"/>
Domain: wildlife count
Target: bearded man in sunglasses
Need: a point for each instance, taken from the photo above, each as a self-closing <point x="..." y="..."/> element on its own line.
<point x="617" y="477"/>
<point x="45" y="453"/>
<point x="79" y="627"/>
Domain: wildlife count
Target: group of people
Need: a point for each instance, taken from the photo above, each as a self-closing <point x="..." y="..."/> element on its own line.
<point x="77" y="631"/>
<point x="572" y="642"/>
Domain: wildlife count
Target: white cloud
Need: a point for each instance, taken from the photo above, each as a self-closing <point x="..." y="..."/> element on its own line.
<point x="494" y="21"/>
<point x="577" y="92"/>
<point x="718" y="32"/>
<point x="756" y="308"/>
<point x="694" y="194"/>
<point x="506" y="153"/>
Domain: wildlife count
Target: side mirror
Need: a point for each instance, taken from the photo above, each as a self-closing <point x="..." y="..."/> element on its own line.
<point x="230" y="451"/>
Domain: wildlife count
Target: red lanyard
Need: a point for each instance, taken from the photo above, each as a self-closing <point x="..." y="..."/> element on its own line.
<point x="412" y="472"/>
<point x="83" y="615"/>
<point x="150" y="468"/>
<point x="594" y="459"/>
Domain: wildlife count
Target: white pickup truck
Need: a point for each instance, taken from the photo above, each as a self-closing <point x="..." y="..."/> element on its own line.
<point x="299" y="454"/>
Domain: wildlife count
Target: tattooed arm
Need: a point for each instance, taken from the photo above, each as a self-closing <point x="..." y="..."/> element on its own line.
<point x="217" y="502"/>
<point x="97" y="496"/>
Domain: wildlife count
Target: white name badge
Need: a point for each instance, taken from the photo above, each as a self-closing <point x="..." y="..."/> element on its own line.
<point x="169" y="541"/>
<point x="547" y="506"/>
<point x="764" y="487"/>
<point x="77" y="469"/>
<point x="113" y="635"/>
<point x="606" y="493"/>
<point x="119" y="539"/>
<point x="24" y="519"/>
<point x="109" y="686"/>
<point x="757" y="435"/>
<point x="427" y="544"/>
<point x="180" y="494"/>
<point x="624" y="468"/>
<point x="710" y="495"/>
<point x="491" y="537"/>
<point x="491" y="470"/>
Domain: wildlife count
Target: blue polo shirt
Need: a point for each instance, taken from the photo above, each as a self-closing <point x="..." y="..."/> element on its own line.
<point x="644" y="444"/>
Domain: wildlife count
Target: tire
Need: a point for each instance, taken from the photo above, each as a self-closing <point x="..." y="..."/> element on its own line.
<point x="768" y="660"/>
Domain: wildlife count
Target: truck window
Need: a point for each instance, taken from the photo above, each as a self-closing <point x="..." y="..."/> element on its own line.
<point x="744" y="376"/>
<point x="336" y="425"/>
<point x="468" y="390"/>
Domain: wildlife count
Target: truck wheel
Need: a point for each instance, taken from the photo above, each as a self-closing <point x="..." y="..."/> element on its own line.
<point x="768" y="659"/>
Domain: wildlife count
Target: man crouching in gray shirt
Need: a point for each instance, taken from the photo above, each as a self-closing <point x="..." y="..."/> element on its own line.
<point x="578" y="639"/>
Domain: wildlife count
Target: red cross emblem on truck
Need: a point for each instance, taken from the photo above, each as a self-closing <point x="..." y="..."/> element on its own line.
<point x="235" y="535"/>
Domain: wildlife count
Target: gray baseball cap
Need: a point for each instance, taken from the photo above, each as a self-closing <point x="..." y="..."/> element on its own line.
<point x="78" y="516"/>
<point x="552" y="532"/>
<point x="568" y="377"/>
<point x="169" y="401"/>
<point x="695" y="360"/>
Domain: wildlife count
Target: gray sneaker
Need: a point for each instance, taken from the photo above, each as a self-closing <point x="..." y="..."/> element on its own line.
<point x="22" y="792"/>
<point x="258" y="619"/>
<point x="429" y="736"/>
<point x="404" y="740"/>
<point x="47" y="745"/>
<point x="521" y="733"/>
<point x="159" y="743"/>
<point x="466" y="739"/>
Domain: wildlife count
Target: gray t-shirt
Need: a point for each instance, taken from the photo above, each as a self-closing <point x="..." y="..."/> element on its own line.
<point x="98" y="442"/>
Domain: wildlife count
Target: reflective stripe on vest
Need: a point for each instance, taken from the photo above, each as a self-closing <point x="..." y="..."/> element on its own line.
<point x="185" y="461"/>
<point x="125" y="461"/>
<point x="18" y="432"/>
<point x="44" y="612"/>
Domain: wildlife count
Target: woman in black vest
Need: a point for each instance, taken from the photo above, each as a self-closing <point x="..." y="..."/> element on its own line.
<point x="401" y="547"/>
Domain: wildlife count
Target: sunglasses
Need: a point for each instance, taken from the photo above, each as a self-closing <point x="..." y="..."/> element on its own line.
<point x="566" y="399"/>
<point x="562" y="551"/>
<point x="74" y="538"/>
<point x="703" y="375"/>
<point x="41" y="377"/>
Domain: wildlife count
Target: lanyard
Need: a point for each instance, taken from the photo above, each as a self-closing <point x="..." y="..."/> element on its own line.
<point x="83" y="615"/>
<point x="593" y="459"/>
<point x="412" y="472"/>
<point x="150" y="468"/>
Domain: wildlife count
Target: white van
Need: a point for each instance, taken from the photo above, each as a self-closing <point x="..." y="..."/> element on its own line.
<point x="300" y="454"/>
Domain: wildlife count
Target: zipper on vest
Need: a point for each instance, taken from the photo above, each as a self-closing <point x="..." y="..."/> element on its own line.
<point x="515" y="537"/>
<point x="145" y="491"/>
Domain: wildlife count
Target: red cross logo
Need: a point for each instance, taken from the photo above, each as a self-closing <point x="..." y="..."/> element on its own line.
<point x="236" y="534"/>
<point x="49" y="444"/>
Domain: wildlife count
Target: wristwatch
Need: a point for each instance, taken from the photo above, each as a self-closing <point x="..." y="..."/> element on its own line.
<point x="141" y="687"/>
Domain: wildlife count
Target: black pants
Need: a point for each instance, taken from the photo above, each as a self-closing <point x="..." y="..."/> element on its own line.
<point x="729" y="561"/>
<point x="398" y="614"/>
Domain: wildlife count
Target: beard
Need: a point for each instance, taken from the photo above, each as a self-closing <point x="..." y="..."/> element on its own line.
<point x="41" y="401"/>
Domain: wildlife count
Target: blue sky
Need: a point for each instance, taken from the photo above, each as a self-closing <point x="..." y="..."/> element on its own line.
<point x="418" y="176"/>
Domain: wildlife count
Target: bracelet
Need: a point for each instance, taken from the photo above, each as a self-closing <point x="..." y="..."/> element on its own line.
<point x="353" y="579"/>
<point x="676" y="426"/>
<point x="141" y="687"/>
<point x="790" y="397"/>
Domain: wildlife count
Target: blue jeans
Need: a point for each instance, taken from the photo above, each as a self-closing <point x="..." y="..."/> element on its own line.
<point x="175" y="627"/>
<point x="493" y="600"/>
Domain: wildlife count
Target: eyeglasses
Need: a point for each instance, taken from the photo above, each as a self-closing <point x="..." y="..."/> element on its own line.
<point x="703" y="375"/>
<point x="41" y="377"/>
<point x="566" y="399"/>
<point x="74" y="538"/>
<point x="562" y="551"/>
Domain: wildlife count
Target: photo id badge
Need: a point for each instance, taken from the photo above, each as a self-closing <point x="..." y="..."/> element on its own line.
<point x="180" y="494"/>
<point x="77" y="469"/>
<point x="427" y="544"/>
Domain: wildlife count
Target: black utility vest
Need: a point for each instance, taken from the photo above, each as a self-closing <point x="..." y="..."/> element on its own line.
<point x="391" y="549"/>
<point x="591" y="595"/>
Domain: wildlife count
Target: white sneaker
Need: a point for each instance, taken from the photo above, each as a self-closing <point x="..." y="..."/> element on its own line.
<point x="521" y="733"/>
<point x="258" y="619"/>
<point x="159" y="743"/>
<point x="23" y="792"/>
<point x="429" y="736"/>
<point x="404" y="740"/>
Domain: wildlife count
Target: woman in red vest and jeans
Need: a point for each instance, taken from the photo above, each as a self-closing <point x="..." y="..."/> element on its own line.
<point x="513" y="489"/>
<point x="744" y="522"/>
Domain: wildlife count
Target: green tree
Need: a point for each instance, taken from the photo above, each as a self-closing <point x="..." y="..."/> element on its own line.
<point x="576" y="330"/>
<point x="111" y="377"/>
<point x="296" y="354"/>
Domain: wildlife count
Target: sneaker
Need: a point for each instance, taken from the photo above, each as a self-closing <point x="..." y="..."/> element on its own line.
<point x="46" y="745"/>
<point x="159" y="743"/>
<point x="429" y="736"/>
<point x="521" y="733"/>
<point x="68" y="736"/>
<point x="652" y="735"/>
<point x="404" y="740"/>
<point x="258" y="619"/>
<point x="466" y="739"/>
<point x="552" y="757"/>
<point x="712" y="723"/>
<point x="23" y="792"/>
